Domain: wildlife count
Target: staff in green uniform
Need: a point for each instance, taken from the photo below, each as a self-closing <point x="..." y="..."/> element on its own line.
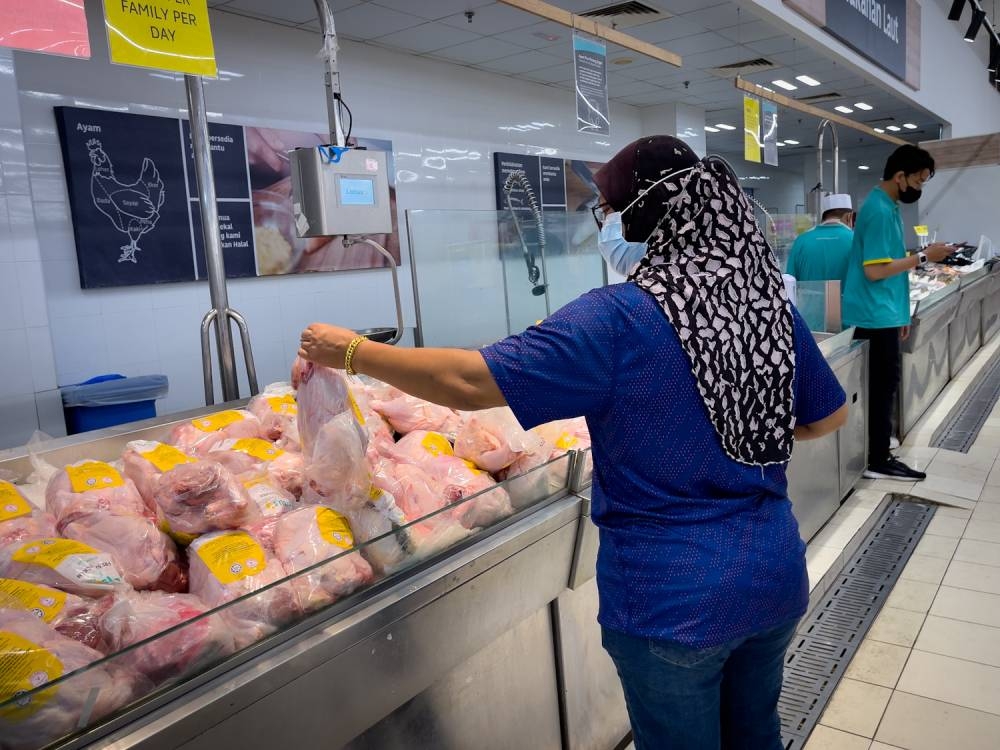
<point x="821" y="254"/>
<point x="877" y="296"/>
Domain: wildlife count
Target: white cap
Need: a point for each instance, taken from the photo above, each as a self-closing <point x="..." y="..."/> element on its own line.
<point x="836" y="201"/>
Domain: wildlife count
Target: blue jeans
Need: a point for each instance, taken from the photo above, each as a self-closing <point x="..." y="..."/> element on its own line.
<point x="682" y="698"/>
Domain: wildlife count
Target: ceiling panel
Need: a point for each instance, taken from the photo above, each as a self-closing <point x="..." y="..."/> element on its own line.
<point x="755" y="31"/>
<point x="479" y="51"/>
<point x="523" y="62"/>
<point x="368" y="20"/>
<point x="556" y="74"/>
<point x="678" y="7"/>
<point x="629" y="89"/>
<point x="538" y="36"/>
<point x="427" y="37"/>
<point x="666" y="30"/>
<point x="492" y="19"/>
<point x="706" y="42"/>
<point x="291" y="11"/>
<point x="430" y="9"/>
<point x="719" y="16"/>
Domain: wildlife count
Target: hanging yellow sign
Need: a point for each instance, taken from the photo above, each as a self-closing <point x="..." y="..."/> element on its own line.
<point x="162" y="34"/>
<point x="751" y="129"/>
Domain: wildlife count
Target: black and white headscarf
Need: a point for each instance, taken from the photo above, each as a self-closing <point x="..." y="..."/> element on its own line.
<point x="711" y="269"/>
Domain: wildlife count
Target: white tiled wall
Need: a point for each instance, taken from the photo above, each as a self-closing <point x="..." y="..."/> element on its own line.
<point x="445" y="122"/>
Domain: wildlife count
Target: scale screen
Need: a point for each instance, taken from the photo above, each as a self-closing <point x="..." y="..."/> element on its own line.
<point x="357" y="191"/>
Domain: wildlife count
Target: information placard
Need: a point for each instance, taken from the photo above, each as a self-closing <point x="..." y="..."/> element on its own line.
<point x="769" y="128"/>
<point x="590" y="62"/>
<point x="751" y="129"/>
<point x="163" y="34"/>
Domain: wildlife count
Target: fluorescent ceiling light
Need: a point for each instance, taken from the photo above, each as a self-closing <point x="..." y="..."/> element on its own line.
<point x="723" y="126"/>
<point x="863" y="167"/>
<point x="909" y="126"/>
<point x="785" y="85"/>
<point x="978" y="16"/>
<point x="879" y="130"/>
<point x="807" y="80"/>
<point x="845" y="110"/>
<point x="790" y="142"/>
<point x="864" y="107"/>
<point x="781" y="143"/>
<point x="710" y="129"/>
<point x="894" y="128"/>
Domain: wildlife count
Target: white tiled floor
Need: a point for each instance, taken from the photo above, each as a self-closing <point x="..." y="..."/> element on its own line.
<point x="927" y="677"/>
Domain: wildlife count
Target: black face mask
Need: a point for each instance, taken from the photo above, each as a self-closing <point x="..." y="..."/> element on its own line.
<point x="910" y="195"/>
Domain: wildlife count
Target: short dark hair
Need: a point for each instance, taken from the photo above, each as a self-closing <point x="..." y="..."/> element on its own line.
<point x="908" y="160"/>
<point x="836" y="213"/>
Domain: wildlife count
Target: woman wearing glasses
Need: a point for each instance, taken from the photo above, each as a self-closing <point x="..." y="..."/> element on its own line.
<point x="695" y="379"/>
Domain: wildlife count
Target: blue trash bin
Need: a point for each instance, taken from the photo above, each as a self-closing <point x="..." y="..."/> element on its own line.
<point x="109" y="400"/>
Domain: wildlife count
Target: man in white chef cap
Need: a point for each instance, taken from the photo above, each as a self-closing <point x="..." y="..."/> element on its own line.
<point x="822" y="253"/>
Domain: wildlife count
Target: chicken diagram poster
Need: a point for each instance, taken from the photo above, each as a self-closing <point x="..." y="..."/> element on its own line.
<point x="134" y="199"/>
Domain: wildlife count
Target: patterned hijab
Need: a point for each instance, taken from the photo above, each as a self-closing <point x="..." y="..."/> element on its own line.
<point x="717" y="280"/>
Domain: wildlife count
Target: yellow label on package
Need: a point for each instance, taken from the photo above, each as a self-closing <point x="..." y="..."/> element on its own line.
<point x="283" y="405"/>
<point x="216" y="422"/>
<point x="43" y="602"/>
<point x="259" y="449"/>
<point x="93" y="475"/>
<point x="566" y="442"/>
<point x="475" y="469"/>
<point x="437" y="445"/>
<point x="921" y="231"/>
<point x="355" y="408"/>
<point x="374" y="493"/>
<point x="232" y="557"/>
<point x="162" y="34"/>
<point x="74" y="561"/>
<point x="269" y="500"/>
<point x="166" y="457"/>
<point x="12" y="503"/>
<point x="178" y="536"/>
<point x="334" y="528"/>
<point x="25" y="666"/>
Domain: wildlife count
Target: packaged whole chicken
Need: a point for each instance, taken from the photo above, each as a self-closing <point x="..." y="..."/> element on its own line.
<point x="20" y="519"/>
<point x="407" y="414"/>
<point x="493" y="439"/>
<point x="336" y="472"/>
<point x="146" y="557"/>
<point x="277" y="410"/>
<point x="64" y="564"/>
<point x="200" y="435"/>
<point x="32" y="655"/>
<point x="255" y="457"/>
<point x="145" y="461"/>
<point x="312" y="535"/>
<point x="92" y="487"/>
<point x="272" y="503"/>
<point x="226" y="565"/>
<point x="322" y="395"/>
<point x="534" y="476"/>
<point x="201" y="497"/>
<point x="75" y="617"/>
<point x="133" y="617"/>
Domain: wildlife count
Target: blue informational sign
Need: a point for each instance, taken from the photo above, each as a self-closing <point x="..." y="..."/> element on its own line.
<point x="874" y="28"/>
<point x="590" y="61"/>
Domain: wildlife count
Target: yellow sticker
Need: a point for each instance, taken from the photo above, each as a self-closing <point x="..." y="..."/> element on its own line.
<point x="355" y="408"/>
<point x="216" y="422"/>
<point x="259" y="449"/>
<point x="566" y="442"/>
<point x="475" y="469"/>
<point x="334" y="528"/>
<point x="921" y="231"/>
<point x="162" y="34"/>
<point x="12" y="503"/>
<point x="437" y="445"/>
<point x="25" y="666"/>
<point x="51" y="552"/>
<point x="232" y="557"/>
<point x="178" y="536"/>
<point x="166" y="457"/>
<point x="283" y="405"/>
<point x="374" y="493"/>
<point x="43" y="602"/>
<point x="93" y="475"/>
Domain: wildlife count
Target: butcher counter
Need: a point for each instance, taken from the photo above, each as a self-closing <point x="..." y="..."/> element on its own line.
<point x="491" y="643"/>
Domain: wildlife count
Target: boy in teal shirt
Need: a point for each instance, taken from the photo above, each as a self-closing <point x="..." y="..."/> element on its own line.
<point x="877" y="296"/>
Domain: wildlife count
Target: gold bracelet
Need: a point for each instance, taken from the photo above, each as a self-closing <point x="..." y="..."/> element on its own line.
<point x="352" y="348"/>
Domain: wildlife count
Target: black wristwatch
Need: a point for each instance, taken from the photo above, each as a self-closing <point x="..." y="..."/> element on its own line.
<point x="921" y="259"/>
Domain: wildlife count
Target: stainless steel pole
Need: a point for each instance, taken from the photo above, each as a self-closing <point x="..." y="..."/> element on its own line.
<point x="213" y="241"/>
<point x="325" y="14"/>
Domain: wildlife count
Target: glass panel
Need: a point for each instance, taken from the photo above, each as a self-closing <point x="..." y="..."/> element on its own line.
<point x="783" y="231"/>
<point x="85" y="692"/>
<point x="819" y="304"/>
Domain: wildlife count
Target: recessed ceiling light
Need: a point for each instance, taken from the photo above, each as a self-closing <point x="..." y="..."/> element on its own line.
<point x="863" y="167"/>
<point x="894" y="128"/>
<point x="879" y="130"/>
<point x="807" y="80"/>
<point x="909" y="126"/>
<point x="723" y="126"/>
<point x="622" y="61"/>
<point x="864" y="107"/>
<point x="790" y="142"/>
<point x="845" y="110"/>
<point x="785" y="85"/>
<point x="710" y="129"/>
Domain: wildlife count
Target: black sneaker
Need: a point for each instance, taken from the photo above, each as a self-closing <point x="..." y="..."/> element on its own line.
<point x="894" y="469"/>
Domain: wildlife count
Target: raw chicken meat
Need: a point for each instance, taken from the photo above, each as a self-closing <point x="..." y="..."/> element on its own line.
<point x="198" y="436"/>
<point x="32" y="654"/>
<point x="277" y="411"/>
<point x="273" y="502"/>
<point x="146" y="460"/>
<point x="19" y="519"/>
<point x="407" y="414"/>
<point x="63" y="564"/>
<point x="529" y="480"/>
<point x="337" y="475"/>
<point x="145" y="555"/>
<point x="252" y="457"/>
<point x="566" y="434"/>
<point x="75" y="617"/>
<point x="308" y="536"/>
<point x="134" y="617"/>
<point x="492" y="439"/>
<point x="92" y="487"/>
<point x="201" y="497"/>
<point x="226" y="565"/>
<point x="322" y="395"/>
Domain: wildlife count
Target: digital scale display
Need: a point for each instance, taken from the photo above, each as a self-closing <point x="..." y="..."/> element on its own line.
<point x="357" y="191"/>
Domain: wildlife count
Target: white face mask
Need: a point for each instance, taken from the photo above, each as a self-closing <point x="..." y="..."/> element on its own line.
<point x="621" y="256"/>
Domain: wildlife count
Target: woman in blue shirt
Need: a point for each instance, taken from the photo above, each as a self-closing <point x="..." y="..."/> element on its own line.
<point x="695" y="378"/>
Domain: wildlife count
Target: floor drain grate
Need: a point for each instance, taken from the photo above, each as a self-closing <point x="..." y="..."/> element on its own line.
<point x="829" y="637"/>
<point x="962" y="426"/>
